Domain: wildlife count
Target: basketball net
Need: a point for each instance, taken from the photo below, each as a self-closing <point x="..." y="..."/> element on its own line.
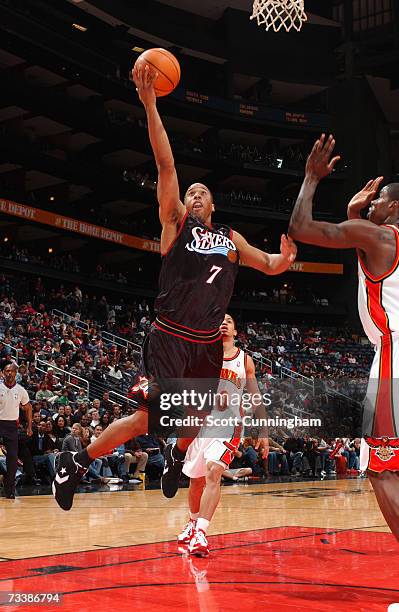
<point x="279" y="14"/>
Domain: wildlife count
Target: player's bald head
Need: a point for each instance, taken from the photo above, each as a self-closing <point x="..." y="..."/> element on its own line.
<point x="392" y="190"/>
<point x="198" y="186"/>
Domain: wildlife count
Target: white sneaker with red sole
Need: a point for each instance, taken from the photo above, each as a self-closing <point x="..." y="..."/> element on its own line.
<point x="184" y="538"/>
<point x="198" y="544"/>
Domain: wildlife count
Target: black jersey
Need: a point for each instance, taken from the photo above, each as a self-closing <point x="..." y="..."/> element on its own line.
<point x="198" y="275"/>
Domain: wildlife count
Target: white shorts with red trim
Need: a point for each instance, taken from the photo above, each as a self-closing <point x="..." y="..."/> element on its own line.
<point x="381" y="405"/>
<point x="205" y="450"/>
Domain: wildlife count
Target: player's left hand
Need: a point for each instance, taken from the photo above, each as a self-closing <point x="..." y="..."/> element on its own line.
<point x="320" y="163"/>
<point x="288" y="248"/>
<point x="29" y="431"/>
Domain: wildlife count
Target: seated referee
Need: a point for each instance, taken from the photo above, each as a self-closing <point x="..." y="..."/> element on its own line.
<point x="11" y="396"/>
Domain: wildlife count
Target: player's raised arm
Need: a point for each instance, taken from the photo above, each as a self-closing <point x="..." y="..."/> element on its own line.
<point x="266" y="262"/>
<point x="356" y="233"/>
<point x="171" y="209"/>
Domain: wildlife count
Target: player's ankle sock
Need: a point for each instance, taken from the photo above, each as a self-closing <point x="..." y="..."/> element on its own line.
<point x="202" y="524"/>
<point x="83" y="458"/>
<point x="194" y="516"/>
<point x="178" y="454"/>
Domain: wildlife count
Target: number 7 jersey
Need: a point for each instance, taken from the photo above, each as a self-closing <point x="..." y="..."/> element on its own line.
<point x="197" y="275"/>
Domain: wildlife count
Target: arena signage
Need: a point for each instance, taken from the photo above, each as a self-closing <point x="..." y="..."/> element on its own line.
<point x="251" y="111"/>
<point x="103" y="233"/>
<point x="75" y="225"/>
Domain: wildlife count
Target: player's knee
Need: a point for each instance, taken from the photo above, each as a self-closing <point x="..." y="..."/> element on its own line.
<point x="214" y="473"/>
<point x="136" y="424"/>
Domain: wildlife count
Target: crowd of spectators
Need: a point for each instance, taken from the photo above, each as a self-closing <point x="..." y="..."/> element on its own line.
<point x="75" y="375"/>
<point x="299" y="456"/>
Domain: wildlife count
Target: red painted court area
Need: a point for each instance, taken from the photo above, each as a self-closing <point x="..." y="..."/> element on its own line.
<point x="290" y="568"/>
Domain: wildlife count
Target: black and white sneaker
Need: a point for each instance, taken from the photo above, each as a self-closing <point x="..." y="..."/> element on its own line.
<point x="171" y="473"/>
<point x="68" y="475"/>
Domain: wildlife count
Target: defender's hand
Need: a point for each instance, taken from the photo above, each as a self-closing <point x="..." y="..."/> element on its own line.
<point x="320" y="163"/>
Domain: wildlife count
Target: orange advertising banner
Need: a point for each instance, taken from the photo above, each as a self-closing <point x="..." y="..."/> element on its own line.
<point x="103" y="233"/>
<point x="316" y="268"/>
<point x="74" y="225"/>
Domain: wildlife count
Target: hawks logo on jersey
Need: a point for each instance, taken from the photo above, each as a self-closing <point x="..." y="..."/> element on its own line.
<point x="226" y="374"/>
<point x="208" y="243"/>
<point x="383" y="454"/>
<point x="384" y="447"/>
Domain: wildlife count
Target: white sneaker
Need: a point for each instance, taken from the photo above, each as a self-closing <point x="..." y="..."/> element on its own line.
<point x="198" y="544"/>
<point x="184" y="538"/>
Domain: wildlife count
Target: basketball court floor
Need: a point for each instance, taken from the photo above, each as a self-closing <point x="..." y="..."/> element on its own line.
<point x="288" y="546"/>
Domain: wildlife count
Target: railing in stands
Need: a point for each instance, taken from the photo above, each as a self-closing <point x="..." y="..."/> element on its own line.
<point x="261" y="362"/>
<point x="105" y="335"/>
<point x="69" y="319"/>
<point x="71" y="379"/>
<point x="14" y="351"/>
<point x="120" y="341"/>
<point x="305" y="380"/>
<point x="94" y="389"/>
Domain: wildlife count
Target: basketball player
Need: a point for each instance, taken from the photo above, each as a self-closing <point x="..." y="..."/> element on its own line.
<point x="376" y="240"/>
<point x="199" y="267"/>
<point x="208" y="456"/>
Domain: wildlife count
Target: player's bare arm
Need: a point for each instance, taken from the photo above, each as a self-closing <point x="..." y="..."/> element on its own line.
<point x="356" y="233"/>
<point x="258" y="406"/>
<point x="266" y="262"/>
<point x="171" y="209"/>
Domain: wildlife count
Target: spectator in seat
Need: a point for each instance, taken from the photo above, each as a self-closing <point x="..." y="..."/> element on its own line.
<point x="68" y="415"/>
<point x="294" y="455"/>
<point x="44" y="393"/>
<point x="60" y="412"/>
<point x="134" y="455"/>
<point x="311" y="457"/>
<point x="105" y="404"/>
<point x="277" y="460"/>
<point x="81" y="410"/>
<point x="105" y="420"/>
<point x="36" y="418"/>
<point x="82" y="397"/>
<point x="60" y="428"/>
<point x="73" y="441"/>
<point x="250" y="455"/>
<point x="156" y="461"/>
<point x="95" y="418"/>
<point x="116" y="412"/>
<point x="42" y="448"/>
<point x="55" y="441"/>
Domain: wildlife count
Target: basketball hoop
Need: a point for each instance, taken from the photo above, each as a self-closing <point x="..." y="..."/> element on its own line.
<point x="279" y="14"/>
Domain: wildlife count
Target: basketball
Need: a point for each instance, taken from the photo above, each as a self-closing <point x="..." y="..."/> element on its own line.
<point x="167" y="66"/>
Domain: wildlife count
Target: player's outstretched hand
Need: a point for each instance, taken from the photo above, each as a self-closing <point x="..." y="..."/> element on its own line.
<point x="320" y="163"/>
<point x="364" y="197"/>
<point x="288" y="248"/>
<point x="144" y="79"/>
